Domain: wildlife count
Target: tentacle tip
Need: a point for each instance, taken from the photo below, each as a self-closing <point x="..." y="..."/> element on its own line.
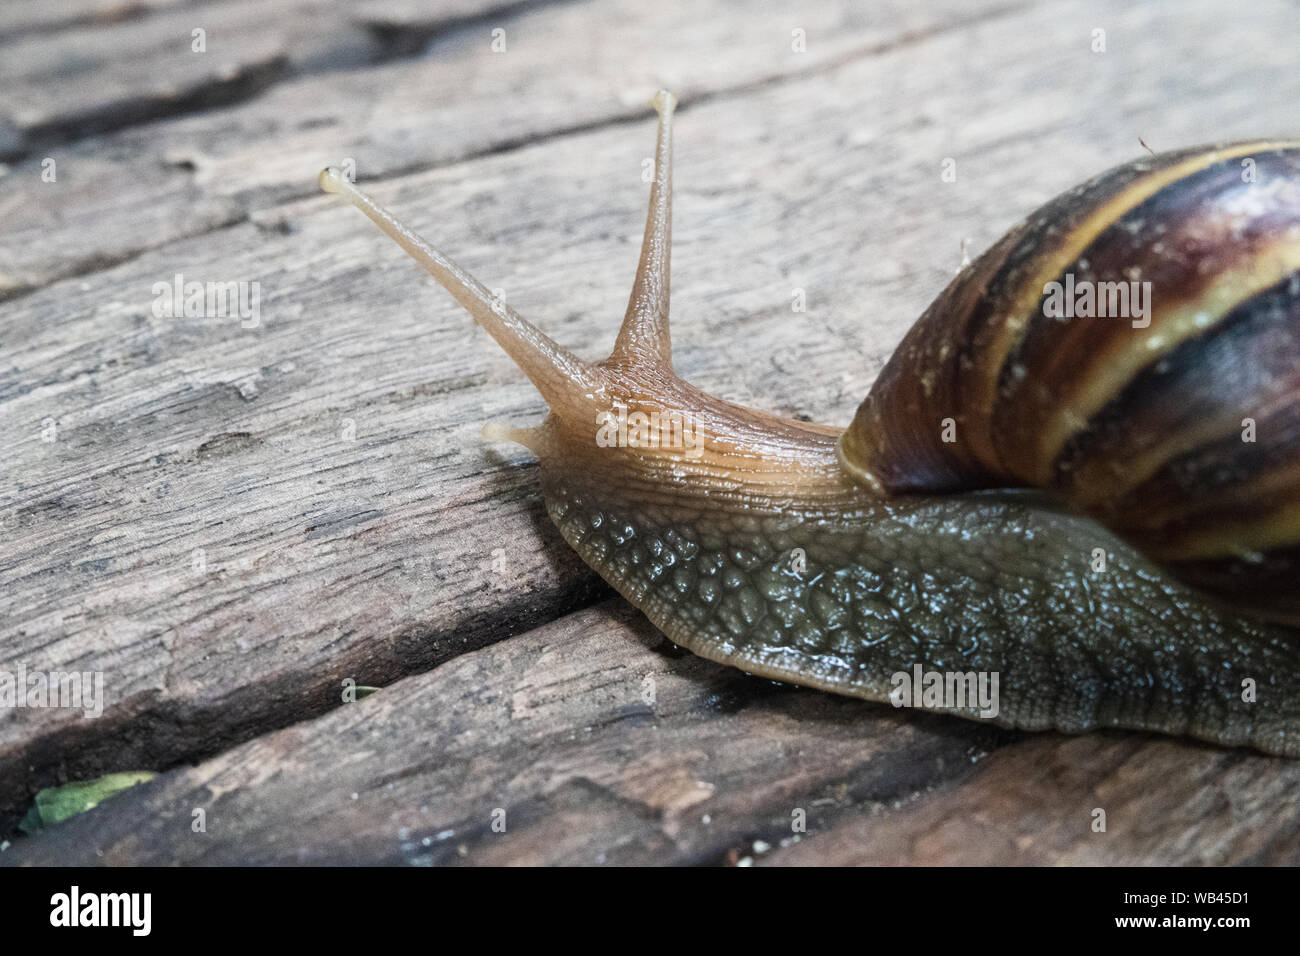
<point x="496" y="431"/>
<point x="530" y="438"/>
<point x="331" y="179"/>
<point x="664" y="103"/>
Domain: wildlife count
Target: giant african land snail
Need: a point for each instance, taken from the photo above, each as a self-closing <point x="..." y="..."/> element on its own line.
<point x="956" y="524"/>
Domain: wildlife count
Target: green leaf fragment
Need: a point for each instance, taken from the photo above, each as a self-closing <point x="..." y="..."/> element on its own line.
<point x="55" y="804"/>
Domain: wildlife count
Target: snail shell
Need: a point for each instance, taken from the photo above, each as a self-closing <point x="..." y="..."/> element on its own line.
<point x="1175" y="423"/>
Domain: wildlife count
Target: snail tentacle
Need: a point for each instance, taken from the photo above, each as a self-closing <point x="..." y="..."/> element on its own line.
<point x="554" y="370"/>
<point x="644" y="335"/>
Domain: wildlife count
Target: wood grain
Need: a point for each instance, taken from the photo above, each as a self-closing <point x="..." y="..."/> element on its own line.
<point x="592" y="740"/>
<point x="73" y="69"/>
<point x="162" y="181"/>
<point x="600" y="742"/>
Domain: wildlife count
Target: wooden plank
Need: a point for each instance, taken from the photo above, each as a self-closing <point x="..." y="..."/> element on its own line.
<point x="73" y="70"/>
<point x="22" y="18"/>
<point x="1166" y="803"/>
<point x="372" y="557"/>
<point x="600" y="741"/>
<point x="594" y="741"/>
<point x="147" y="186"/>
<point x="87" y="79"/>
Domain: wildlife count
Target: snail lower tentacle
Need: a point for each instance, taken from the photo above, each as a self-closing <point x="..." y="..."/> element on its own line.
<point x="825" y="558"/>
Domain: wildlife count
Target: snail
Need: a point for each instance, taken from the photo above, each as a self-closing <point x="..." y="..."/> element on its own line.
<point x="1100" y="510"/>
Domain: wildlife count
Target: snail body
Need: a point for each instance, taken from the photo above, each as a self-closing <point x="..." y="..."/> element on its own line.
<point x="956" y="526"/>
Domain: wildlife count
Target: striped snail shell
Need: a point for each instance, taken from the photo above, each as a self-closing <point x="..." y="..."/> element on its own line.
<point x="1133" y="349"/>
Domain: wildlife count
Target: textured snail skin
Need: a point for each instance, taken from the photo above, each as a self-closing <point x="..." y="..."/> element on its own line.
<point x="998" y="581"/>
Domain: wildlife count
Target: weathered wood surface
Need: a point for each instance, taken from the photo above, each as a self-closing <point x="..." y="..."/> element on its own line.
<point x="193" y="174"/>
<point x="594" y="740"/>
<point x="594" y="724"/>
<point x="87" y="77"/>
<point x="372" y="557"/>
